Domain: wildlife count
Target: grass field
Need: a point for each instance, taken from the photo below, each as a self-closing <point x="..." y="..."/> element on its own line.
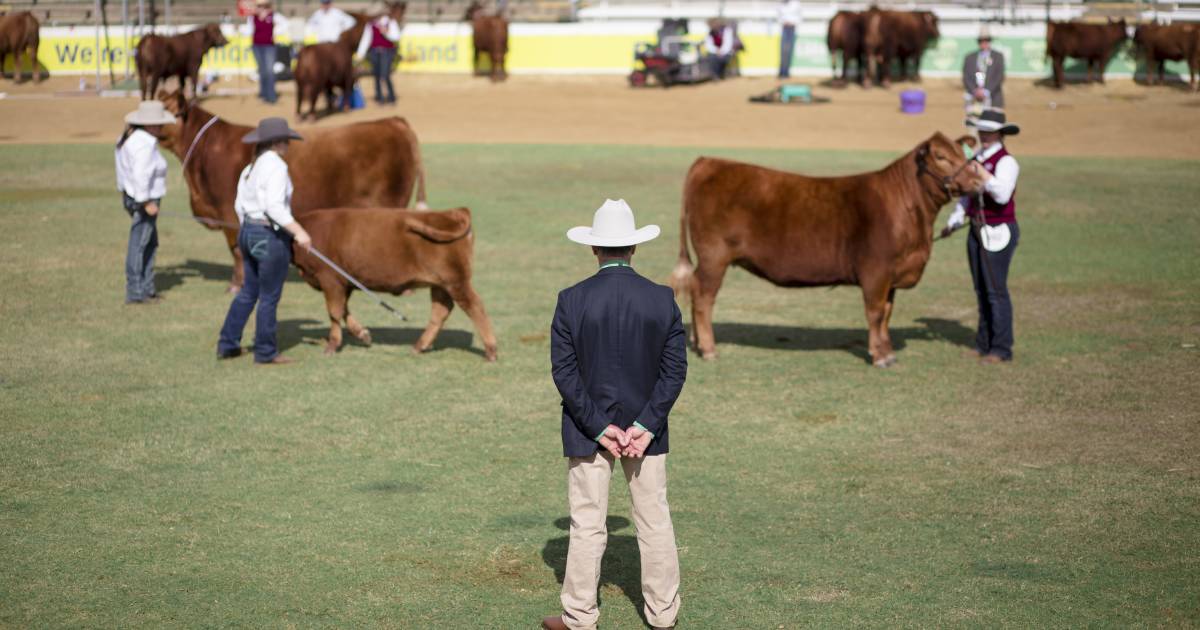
<point x="144" y="484"/>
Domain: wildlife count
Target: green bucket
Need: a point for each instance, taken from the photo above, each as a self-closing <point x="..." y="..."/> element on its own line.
<point x="795" y="92"/>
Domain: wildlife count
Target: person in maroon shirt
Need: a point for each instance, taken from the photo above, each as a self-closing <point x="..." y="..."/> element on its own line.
<point x="378" y="45"/>
<point x="262" y="28"/>
<point x="993" y="235"/>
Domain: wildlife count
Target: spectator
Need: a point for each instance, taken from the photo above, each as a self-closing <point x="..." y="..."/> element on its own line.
<point x="329" y="22"/>
<point x="261" y="26"/>
<point x="378" y="45"/>
<point x="789" y="19"/>
<point x="983" y="76"/>
<point x="720" y="46"/>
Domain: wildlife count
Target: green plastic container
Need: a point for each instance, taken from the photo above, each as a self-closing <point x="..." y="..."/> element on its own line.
<point x="795" y="92"/>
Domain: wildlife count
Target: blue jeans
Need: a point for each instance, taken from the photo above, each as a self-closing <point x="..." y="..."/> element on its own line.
<point x="990" y="275"/>
<point x="381" y="67"/>
<point x="139" y="257"/>
<point x="265" y="258"/>
<point x="787" y="46"/>
<point x="265" y="57"/>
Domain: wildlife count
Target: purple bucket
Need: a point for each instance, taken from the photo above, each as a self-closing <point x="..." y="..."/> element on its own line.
<point x="912" y="101"/>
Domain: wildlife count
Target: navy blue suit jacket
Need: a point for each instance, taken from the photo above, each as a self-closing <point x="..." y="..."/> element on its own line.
<point x="618" y="355"/>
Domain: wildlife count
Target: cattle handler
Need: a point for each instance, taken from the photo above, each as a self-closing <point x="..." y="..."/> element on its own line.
<point x="993" y="236"/>
<point x="264" y="209"/>
<point x="142" y="180"/>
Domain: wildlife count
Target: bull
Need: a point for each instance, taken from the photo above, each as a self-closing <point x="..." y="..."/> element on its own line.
<point x="1158" y="43"/>
<point x="364" y="164"/>
<point x="845" y="35"/>
<point x="19" y="36"/>
<point x="1094" y="43"/>
<point x="873" y="230"/>
<point x="158" y="57"/>
<point x="897" y="35"/>
<point x="394" y="251"/>
<point x="489" y="35"/>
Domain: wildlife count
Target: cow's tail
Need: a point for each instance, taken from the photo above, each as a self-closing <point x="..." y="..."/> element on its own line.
<point x="684" y="274"/>
<point x="421" y="201"/>
<point x="441" y="227"/>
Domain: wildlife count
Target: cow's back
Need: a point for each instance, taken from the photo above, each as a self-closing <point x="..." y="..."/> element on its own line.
<point x="364" y="164"/>
<point x="18" y="31"/>
<point x="791" y="229"/>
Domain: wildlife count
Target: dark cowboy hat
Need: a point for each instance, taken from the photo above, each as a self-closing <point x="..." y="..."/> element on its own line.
<point x="269" y="130"/>
<point x="993" y="120"/>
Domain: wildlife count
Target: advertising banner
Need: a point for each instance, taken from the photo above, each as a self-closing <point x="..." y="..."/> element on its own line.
<point x="572" y="48"/>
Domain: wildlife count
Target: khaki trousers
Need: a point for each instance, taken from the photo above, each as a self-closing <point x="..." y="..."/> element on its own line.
<point x="587" y="492"/>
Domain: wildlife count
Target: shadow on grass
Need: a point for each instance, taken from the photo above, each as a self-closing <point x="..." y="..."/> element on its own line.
<point x="852" y="340"/>
<point x="293" y="332"/>
<point x="170" y="276"/>
<point x="621" y="566"/>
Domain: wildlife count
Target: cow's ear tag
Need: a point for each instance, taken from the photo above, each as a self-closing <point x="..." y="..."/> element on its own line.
<point x="968" y="151"/>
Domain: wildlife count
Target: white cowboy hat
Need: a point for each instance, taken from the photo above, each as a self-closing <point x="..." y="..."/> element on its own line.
<point x="985" y="32"/>
<point x="613" y="226"/>
<point x="149" y="113"/>
<point x="994" y="120"/>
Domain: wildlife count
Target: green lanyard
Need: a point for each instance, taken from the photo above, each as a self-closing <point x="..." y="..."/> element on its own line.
<point x="615" y="263"/>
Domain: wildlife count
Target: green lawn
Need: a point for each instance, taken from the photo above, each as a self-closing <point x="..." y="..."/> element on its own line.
<point x="144" y="484"/>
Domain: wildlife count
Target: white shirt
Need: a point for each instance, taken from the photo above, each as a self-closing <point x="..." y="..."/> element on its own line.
<point x="1000" y="187"/>
<point x="141" y="169"/>
<point x="726" y="47"/>
<point x="391" y="30"/>
<point x="789" y="12"/>
<point x="265" y="190"/>
<point x="328" y="24"/>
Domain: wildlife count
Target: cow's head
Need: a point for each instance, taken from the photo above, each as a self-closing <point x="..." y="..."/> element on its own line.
<point x="473" y="9"/>
<point x="944" y="168"/>
<point x="929" y="24"/>
<point x="213" y="36"/>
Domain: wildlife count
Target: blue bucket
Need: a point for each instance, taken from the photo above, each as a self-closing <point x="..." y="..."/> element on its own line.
<point x="912" y="101"/>
<point x="356" y="99"/>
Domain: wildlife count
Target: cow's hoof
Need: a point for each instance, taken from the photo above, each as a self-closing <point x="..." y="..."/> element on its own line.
<point x="490" y="355"/>
<point x="233" y="289"/>
<point x="886" y="362"/>
<point x="330" y="349"/>
<point x="364" y="336"/>
<point x="420" y="350"/>
<point x="708" y="356"/>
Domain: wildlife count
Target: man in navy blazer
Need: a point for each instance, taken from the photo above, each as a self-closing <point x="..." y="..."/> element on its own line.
<point x="619" y="359"/>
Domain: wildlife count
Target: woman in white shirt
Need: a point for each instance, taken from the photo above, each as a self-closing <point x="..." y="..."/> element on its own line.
<point x="142" y="180"/>
<point x="264" y="209"/>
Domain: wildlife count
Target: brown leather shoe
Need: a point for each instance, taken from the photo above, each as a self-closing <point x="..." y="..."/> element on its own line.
<point x="278" y="360"/>
<point x="992" y="359"/>
<point x="553" y="623"/>
<point x="972" y="354"/>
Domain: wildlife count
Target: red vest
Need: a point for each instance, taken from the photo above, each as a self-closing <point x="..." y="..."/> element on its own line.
<point x="264" y="30"/>
<point x="378" y="38"/>
<point x="993" y="213"/>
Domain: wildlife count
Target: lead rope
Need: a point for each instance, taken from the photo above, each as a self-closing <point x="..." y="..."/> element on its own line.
<point x="188" y="156"/>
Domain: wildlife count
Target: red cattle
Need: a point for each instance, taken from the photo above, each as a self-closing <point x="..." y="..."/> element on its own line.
<point x="367" y="164"/>
<point x="845" y="35"/>
<point x="1158" y="43"/>
<point x="1094" y="43"/>
<point x="490" y="37"/>
<point x="159" y="57"/>
<point x="897" y="35"/>
<point x="873" y="230"/>
<point x="18" y="36"/>
<point x="392" y="250"/>
<point x="322" y="68"/>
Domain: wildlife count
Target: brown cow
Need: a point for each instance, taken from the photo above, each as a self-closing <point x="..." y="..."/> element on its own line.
<point x="896" y="35"/>
<point x="363" y="164"/>
<point x="393" y="251"/>
<point x="321" y="68"/>
<point x="489" y="35"/>
<point x="1094" y="43"/>
<point x="873" y="230"/>
<point x="1177" y="42"/>
<point x="18" y="34"/>
<point x="846" y="35"/>
<point x="159" y="57"/>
